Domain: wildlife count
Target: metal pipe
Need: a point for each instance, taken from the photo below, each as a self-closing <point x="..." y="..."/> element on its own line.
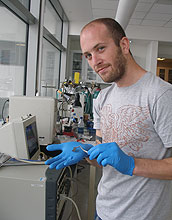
<point x="124" y="11"/>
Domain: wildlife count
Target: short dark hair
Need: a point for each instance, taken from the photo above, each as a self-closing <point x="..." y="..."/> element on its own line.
<point x="114" y="28"/>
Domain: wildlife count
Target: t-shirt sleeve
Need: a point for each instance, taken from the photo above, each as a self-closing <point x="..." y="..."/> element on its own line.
<point x="162" y="116"/>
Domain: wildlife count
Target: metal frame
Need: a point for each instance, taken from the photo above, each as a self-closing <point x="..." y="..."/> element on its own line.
<point x="59" y="9"/>
<point x="33" y="50"/>
<point x="48" y="36"/>
<point x="20" y="10"/>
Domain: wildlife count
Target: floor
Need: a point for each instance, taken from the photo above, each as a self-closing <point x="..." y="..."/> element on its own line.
<point x="80" y="194"/>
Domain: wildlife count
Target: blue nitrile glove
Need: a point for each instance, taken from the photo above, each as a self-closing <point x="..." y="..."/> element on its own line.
<point x="67" y="156"/>
<point x="111" y="154"/>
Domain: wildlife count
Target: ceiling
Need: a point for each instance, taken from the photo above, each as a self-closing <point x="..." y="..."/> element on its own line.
<point x="157" y="13"/>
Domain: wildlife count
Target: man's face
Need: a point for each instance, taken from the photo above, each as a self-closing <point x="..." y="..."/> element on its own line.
<point x="104" y="57"/>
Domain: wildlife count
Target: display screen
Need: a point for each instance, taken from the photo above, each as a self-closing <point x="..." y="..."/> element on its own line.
<point x="32" y="139"/>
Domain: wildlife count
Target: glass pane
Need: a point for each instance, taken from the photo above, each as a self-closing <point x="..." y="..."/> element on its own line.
<point x="77" y="63"/>
<point x="52" y="21"/>
<point x="170" y="76"/>
<point x="91" y="75"/>
<point x="50" y="69"/>
<point x="77" y="57"/>
<point x="162" y="73"/>
<point x="26" y="3"/>
<point x="12" y="53"/>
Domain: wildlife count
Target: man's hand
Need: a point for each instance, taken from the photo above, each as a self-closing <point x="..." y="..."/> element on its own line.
<point x="111" y="154"/>
<point x="67" y="156"/>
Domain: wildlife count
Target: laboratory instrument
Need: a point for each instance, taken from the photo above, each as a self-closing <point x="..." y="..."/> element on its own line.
<point x="45" y="110"/>
<point x="80" y="127"/>
<point x="33" y="192"/>
<point x="19" y="138"/>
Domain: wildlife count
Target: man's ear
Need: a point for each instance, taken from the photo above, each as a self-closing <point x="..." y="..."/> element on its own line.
<point x="125" y="45"/>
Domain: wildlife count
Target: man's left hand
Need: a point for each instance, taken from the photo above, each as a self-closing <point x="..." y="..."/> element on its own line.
<point x="111" y="154"/>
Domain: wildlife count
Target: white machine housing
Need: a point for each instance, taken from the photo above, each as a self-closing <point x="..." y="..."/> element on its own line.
<point x="24" y="193"/>
<point x="45" y="110"/>
<point x="23" y="188"/>
<point x="19" y="138"/>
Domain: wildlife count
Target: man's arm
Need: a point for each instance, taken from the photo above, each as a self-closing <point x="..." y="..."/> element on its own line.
<point x="111" y="154"/>
<point x="157" y="169"/>
<point x="98" y="141"/>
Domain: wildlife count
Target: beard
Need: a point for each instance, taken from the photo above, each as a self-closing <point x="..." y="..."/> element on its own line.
<point x="116" y="74"/>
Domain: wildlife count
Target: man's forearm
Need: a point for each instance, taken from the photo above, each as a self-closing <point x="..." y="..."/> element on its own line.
<point x="156" y="169"/>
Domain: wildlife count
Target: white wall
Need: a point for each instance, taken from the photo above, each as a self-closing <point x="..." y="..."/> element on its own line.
<point x="139" y="51"/>
<point x="165" y="50"/>
<point x="151" y="57"/>
<point x="145" y="53"/>
<point x="149" y="33"/>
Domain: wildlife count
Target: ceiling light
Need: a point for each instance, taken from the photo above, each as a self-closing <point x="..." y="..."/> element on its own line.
<point x="160" y="58"/>
<point x="21" y="45"/>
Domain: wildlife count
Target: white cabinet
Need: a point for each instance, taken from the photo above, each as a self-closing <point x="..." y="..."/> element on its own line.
<point x="165" y="73"/>
<point x="80" y="64"/>
<point x="77" y="64"/>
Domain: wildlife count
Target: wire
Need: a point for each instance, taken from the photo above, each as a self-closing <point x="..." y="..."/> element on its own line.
<point x="72" y="191"/>
<point x="80" y="168"/>
<point x="77" y="210"/>
<point x="3" y="110"/>
<point x="31" y="161"/>
<point x="38" y="162"/>
<point x="13" y="159"/>
<point x="73" y="195"/>
<point x="70" y="170"/>
<point x="71" y="178"/>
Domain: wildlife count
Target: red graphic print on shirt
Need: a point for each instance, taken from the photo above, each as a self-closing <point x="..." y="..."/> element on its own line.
<point x="126" y="127"/>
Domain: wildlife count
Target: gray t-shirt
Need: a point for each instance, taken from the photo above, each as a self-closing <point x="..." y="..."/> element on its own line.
<point x="139" y="119"/>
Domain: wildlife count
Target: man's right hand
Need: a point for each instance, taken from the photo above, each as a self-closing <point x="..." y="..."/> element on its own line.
<point x="67" y="157"/>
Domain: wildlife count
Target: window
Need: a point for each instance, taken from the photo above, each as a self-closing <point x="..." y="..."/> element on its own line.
<point x="54" y="43"/>
<point x="52" y="21"/>
<point x="12" y="53"/>
<point x="26" y="3"/>
<point x="50" y="69"/>
<point x="30" y="49"/>
<point x="170" y="76"/>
